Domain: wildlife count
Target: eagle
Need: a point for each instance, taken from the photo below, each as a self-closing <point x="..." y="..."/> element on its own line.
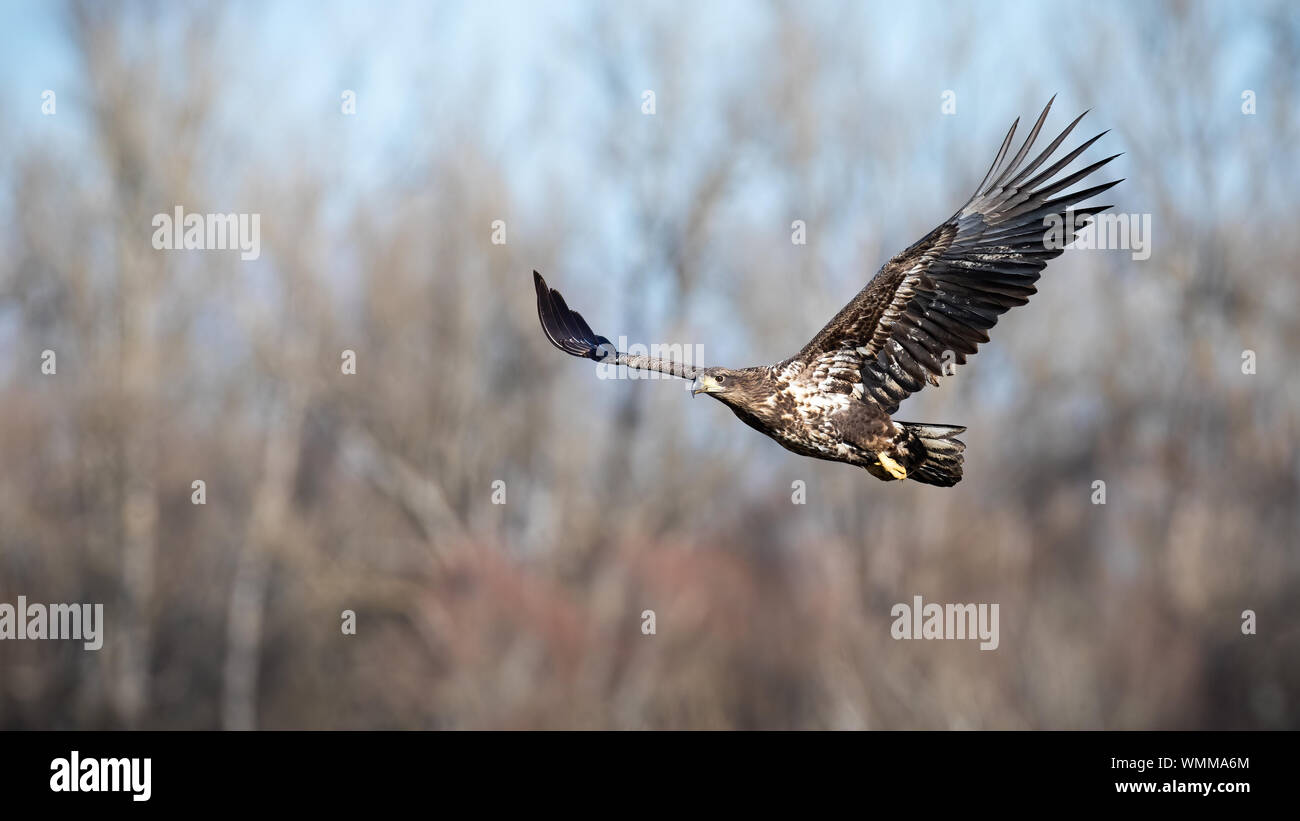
<point x="924" y="312"/>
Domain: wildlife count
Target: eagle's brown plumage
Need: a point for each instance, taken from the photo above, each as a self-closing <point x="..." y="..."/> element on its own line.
<point x="927" y="308"/>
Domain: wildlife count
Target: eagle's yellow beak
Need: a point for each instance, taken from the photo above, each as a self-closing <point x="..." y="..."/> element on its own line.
<point x="704" y="384"/>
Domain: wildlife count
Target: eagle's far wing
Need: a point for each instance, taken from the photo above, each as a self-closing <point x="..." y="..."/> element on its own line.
<point x="569" y="332"/>
<point x="937" y="299"/>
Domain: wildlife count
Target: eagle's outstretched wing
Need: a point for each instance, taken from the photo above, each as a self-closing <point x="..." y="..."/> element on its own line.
<point x="569" y="332"/>
<point x="944" y="293"/>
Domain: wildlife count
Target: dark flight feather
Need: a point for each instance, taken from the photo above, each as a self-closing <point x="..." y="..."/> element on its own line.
<point x="566" y="329"/>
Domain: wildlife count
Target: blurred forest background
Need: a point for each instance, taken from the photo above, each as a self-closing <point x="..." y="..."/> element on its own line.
<point x="374" y="492"/>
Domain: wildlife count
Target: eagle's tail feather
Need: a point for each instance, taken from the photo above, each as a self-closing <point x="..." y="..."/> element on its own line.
<point x="943" y="454"/>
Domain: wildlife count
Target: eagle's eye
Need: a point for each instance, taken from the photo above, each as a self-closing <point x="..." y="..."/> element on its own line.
<point x="720" y="378"/>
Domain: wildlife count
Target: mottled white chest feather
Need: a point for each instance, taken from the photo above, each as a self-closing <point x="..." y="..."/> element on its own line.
<point x="813" y="404"/>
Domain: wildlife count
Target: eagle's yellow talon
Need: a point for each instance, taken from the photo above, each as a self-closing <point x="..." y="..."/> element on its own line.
<point x="896" y="470"/>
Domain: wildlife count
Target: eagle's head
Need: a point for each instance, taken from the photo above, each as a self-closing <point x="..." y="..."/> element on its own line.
<point x="733" y="387"/>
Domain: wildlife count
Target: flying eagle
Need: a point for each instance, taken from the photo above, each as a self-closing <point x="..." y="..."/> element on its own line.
<point x="930" y="305"/>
